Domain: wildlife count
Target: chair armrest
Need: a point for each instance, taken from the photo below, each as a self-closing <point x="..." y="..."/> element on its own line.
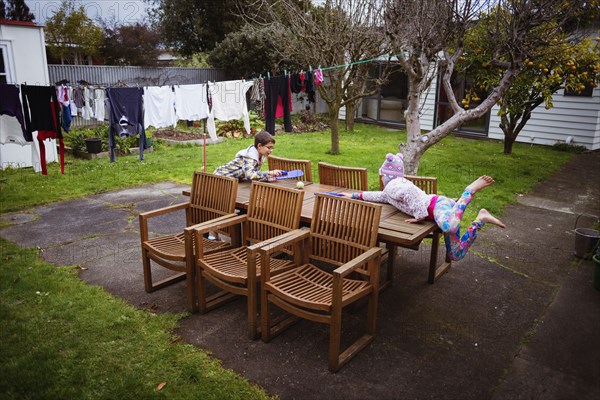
<point x="187" y="193"/>
<point x="164" y="210"/>
<point x="345" y="269"/>
<point x="218" y="223"/>
<point x="277" y="243"/>
<point x="201" y="225"/>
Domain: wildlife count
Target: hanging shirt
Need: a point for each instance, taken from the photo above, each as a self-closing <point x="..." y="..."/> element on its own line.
<point x="88" y="111"/>
<point x="228" y="102"/>
<point x="159" y="108"/>
<point x="78" y="97"/>
<point x="126" y="118"/>
<point x="10" y="106"/>
<point x="99" y="104"/>
<point x="309" y="87"/>
<point x="39" y="114"/>
<point x="41" y="111"/>
<point x="191" y="102"/>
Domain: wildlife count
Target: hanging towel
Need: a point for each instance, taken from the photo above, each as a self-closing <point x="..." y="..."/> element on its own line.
<point x="228" y="102"/>
<point x="191" y="102"/>
<point x="159" y="108"/>
<point x="10" y="106"/>
<point x="126" y="118"/>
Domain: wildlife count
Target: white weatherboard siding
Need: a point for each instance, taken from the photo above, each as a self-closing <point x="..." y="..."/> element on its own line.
<point x="575" y="116"/>
<point x="427" y="107"/>
<point x="25" y="47"/>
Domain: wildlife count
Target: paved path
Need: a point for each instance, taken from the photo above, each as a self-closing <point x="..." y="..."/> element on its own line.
<point x="517" y="319"/>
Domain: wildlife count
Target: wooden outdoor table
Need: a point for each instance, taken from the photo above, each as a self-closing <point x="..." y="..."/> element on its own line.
<point x="394" y="231"/>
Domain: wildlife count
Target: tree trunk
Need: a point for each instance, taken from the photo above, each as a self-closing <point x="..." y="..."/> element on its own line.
<point x="412" y="150"/>
<point x="508" y="144"/>
<point x="334" y="125"/>
<point x="350" y="113"/>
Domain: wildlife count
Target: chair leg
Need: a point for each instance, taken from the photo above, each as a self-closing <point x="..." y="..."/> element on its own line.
<point x="147" y="271"/>
<point x="252" y="316"/>
<point x="265" y="317"/>
<point x="191" y="289"/>
<point x="201" y="292"/>
<point x="252" y="310"/>
<point x="335" y="333"/>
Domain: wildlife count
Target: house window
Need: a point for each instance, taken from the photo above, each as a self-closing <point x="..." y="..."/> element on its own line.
<point x="390" y="101"/>
<point x="461" y="86"/>
<point x="3" y="66"/>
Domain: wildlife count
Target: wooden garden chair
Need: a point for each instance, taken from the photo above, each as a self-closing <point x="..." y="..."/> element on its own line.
<point x="343" y="233"/>
<point x="288" y="164"/>
<point x="427" y="184"/>
<point x="211" y="197"/>
<point x="273" y="210"/>
<point x="354" y="178"/>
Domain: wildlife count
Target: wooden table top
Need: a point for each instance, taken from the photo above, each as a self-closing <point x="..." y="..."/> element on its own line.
<point x="393" y="228"/>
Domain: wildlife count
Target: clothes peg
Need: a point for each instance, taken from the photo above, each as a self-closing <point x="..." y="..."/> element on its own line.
<point x="268" y="75"/>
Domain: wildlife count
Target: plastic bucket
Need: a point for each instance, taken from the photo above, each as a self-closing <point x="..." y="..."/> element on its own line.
<point x="597" y="271"/>
<point x="93" y="145"/>
<point x="585" y="242"/>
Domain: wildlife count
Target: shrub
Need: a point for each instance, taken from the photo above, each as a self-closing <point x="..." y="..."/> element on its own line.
<point x="75" y="139"/>
<point x="569" y="148"/>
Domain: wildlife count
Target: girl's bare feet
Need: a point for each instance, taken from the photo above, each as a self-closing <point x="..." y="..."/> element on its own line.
<point x="485" y="216"/>
<point x="480" y="183"/>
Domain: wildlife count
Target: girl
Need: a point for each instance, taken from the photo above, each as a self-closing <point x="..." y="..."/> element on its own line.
<point x="447" y="213"/>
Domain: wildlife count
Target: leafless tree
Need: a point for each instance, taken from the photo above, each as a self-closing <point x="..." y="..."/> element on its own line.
<point x="428" y="35"/>
<point x="336" y="35"/>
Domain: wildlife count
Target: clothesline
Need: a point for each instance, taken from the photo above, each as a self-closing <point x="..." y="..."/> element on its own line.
<point x="332" y="67"/>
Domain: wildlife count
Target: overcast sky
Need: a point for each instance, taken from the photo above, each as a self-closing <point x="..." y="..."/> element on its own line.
<point x="124" y="11"/>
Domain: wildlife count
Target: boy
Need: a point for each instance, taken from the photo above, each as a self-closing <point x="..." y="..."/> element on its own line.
<point x="246" y="164"/>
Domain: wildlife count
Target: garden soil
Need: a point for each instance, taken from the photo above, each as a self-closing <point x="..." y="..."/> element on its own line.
<point x="518" y="318"/>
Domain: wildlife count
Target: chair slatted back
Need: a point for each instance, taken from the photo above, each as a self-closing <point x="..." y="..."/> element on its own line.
<point x="273" y="210"/>
<point x="342" y="228"/>
<point x="211" y="196"/>
<point x="288" y="164"/>
<point x="427" y="184"/>
<point x="348" y="177"/>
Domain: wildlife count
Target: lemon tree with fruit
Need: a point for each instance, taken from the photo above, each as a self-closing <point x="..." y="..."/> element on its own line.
<point x="563" y="60"/>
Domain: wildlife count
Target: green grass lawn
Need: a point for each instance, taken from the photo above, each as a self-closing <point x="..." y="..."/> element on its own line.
<point x="61" y="338"/>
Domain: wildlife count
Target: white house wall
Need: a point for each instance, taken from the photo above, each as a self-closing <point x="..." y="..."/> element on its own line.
<point x="574" y="116"/>
<point x="27" y="64"/>
<point x="28" y="53"/>
<point x="427" y="107"/>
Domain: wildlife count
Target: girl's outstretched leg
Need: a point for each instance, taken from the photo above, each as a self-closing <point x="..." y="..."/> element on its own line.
<point x="457" y="247"/>
<point x="485" y="216"/>
<point x="448" y="213"/>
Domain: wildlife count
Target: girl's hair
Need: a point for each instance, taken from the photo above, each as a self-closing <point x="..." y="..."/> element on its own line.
<point x="263" y="137"/>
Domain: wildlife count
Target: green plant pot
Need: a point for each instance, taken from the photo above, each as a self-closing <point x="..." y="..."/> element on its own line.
<point x="596" y="259"/>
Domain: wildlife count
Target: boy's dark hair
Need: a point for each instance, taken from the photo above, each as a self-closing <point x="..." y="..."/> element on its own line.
<point x="263" y="137"/>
